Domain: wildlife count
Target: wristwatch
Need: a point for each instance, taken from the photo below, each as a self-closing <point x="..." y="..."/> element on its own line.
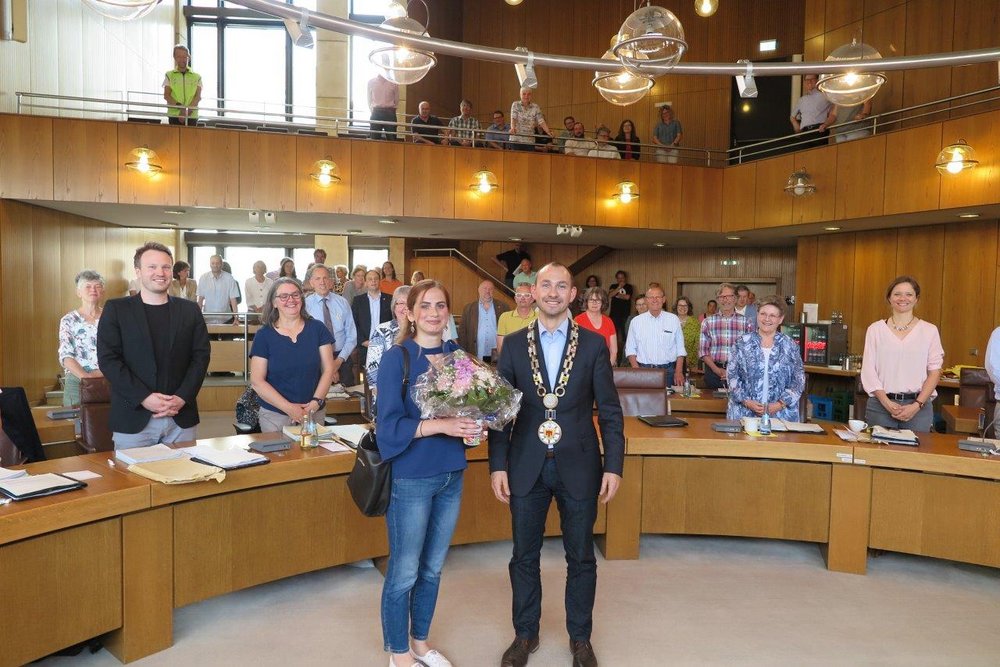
<point x="320" y="402"/>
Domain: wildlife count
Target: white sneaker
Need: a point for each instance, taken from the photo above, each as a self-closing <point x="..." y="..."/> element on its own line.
<point x="432" y="659"/>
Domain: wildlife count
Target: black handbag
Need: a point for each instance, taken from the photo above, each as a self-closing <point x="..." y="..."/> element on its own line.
<point x="370" y="481"/>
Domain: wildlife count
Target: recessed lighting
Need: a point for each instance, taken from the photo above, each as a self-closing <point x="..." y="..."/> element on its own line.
<point x="435" y="234"/>
<point x="968" y="215"/>
<point x="832" y="229"/>
<point x="729" y="262"/>
<point x="168" y="224"/>
<point x="660" y="245"/>
<point x="204" y="231"/>
<point x="734" y="238"/>
<point x="355" y="231"/>
<point x="516" y="238"/>
<point x="175" y="211"/>
<point x="387" y="221"/>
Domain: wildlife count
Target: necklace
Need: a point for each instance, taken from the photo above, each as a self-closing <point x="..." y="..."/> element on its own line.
<point x="903" y="327"/>
<point x="549" y="432"/>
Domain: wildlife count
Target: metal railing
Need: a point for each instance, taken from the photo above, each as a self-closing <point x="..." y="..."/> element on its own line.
<point x="471" y="263"/>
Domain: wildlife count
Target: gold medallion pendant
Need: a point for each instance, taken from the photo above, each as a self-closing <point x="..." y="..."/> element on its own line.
<point x="549" y="432"/>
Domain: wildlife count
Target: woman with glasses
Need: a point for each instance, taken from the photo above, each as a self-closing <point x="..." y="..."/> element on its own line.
<point x="428" y="461"/>
<point x="691" y="326"/>
<point x="384" y="338"/>
<point x="765" y="368"/>
<point x="594" y="319"/>
<point x="78" y="336"/>
<point x="291" y="361"/>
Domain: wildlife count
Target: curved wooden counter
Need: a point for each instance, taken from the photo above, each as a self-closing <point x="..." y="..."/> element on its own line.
<point x="119" y="556"/>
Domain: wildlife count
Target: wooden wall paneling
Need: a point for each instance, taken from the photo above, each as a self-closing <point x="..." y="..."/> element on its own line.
<point x="920" y="253"/>
<point x="210" y="168"/>
<point x="875" y="267"/>
<point x="717" y="119"/>
<point x="377" y="172"/>
<point x="774" y="207"/>
<point x="977" y="25"/>
<point x="876" y="6"/>
<point x="660" y="203"/>
<point x="982" y="184"/>
<point x="701" y="199"/>
<point x="85" y="168"/>
<point x="815" y="18"/>
<point x="739" y="196"/>
<point x="469" y="204"/>
<point x="26" y="162"/>
<point x="428" y="181"/>
<point x="842" y="12"/>
<point x="929" y="29"/>
<point x="914" y="183"/>
<point x="837" y="270"/>
<point x="572" y="188"/>
<point x="16" y="304"/>
<point x="309" y="194"/>
<point x="161" y="189"/>
<point x="860" y="178"/>
<point x="609" y="211"/>
<point x="814" y="48"/>
<point x="970" y="251"/>
<point x="526" y="193"/>
<point x="267" y="162"/>
<point x="821" y="163"/>
<point x="886" y="32"/>
<point x="806" y="272"/>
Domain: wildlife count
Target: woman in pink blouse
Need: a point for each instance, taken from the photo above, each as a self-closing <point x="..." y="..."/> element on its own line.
<point x="902" y="363"/>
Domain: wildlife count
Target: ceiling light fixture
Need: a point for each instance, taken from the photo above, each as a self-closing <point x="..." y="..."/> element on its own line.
<point x="660" y="245"/>
<point x="175" y="211"/>
<point x="745" y="82"/>
<point x="513" y="3"/>
<point x="168" y="223"/>
<point x="832" y="229"/>
<point x="968" y="215"/>
<point x="620" y="86"/>
<point x="486" y="182"/>
<point x="706" y="8"/>
<point x="325" y="172"/>
<point x="300" y="33"/>
<point x="734" y="238"/>
<point x="652" y="36"/>
<point x="848" y="89"/>
<point x="400" y="64"/>
<point x="515" y="238"/>
<point x="144" y="161"/>
<point x="387" y="221"/>
<point x="626" y="191"/>
<point x="526" y="71"/>
<point x="800" y="184"/>
<point x="956" y="158"/>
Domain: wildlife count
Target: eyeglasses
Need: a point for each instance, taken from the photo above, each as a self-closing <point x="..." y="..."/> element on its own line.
<point x="727" y="296"/>
<point x="522" y="296"/>
<point x="595" y="299"/>
<point x="284" y="298"/>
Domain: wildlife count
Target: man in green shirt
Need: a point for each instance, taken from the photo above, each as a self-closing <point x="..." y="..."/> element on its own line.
<point x="182" y="89"/>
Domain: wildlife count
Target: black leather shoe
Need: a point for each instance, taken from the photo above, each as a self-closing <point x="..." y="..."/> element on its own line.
<point x="517" y="653"/>
<point x="583" y="654"/>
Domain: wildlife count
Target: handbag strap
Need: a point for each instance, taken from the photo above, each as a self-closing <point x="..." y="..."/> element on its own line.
<point x="406" y="370"/>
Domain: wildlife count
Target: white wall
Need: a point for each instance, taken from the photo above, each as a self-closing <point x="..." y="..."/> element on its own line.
<point x="73" y="50"/>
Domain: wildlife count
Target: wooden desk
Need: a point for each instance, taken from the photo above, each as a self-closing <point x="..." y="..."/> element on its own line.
<point x="52" y="430"/>
<point x="62" y="557"/>
<point x="705" y="403"/>
<point x="960" y="419"/>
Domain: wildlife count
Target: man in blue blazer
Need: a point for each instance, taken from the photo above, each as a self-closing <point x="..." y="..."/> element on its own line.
<point x="154" y="351"/>
<point x="552" y="450"/>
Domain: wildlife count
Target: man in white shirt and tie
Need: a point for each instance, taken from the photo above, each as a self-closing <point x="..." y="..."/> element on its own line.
<point x="655" y="339"/>
<point x="335" y="313"/>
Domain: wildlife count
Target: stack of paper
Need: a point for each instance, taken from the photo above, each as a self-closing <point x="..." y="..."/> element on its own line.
<point x="894" y="436"/>
<point x="349" y="434"/>
<point x="33" y="486"/>
<point x="178" y="471"/>
<point x="147" y="454"/>
<point x="12" y="474"/>
<point x="783" y="425"/>
<point x="227" y="459"/>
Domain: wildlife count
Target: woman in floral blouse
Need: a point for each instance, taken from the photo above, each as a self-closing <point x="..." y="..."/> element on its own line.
<point x="766" y="358"/>
<point x="78" y="335"/>
<point x="385" y="337"/>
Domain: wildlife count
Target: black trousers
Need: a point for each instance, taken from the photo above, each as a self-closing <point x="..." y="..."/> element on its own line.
<point x="383" y="130"/>
<point x="576" y="518"/>
<point x="713" y="381"/>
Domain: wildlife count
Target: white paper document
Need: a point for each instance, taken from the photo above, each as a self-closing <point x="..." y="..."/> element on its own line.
<point x="36" y="484"/>
<point x="349" y="433"/>
<point x="146" y="454"/>
<point x="334" y="446"/>
<point x="7" y="473"/>
<point x="225" y="458"/>
<point x="81" y="475"/>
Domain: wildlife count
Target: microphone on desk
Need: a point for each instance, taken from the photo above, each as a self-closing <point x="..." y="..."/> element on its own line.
<point x="982" y="444"/>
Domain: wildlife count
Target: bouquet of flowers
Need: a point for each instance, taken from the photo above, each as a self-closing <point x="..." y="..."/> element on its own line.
<point x="460" y="385"/>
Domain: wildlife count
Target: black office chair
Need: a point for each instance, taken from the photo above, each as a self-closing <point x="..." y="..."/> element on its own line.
<point x="20" y="442"/>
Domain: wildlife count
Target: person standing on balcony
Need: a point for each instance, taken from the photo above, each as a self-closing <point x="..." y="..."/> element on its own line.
<point x="182" y="89"/>
<point x="383" y="98"/>
<point x="812" y="112"/>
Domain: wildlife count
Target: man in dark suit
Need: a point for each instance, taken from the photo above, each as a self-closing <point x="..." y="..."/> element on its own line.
<point x="477" y="332"/>
<point x="552" y="450"/>
<point x="154" y="351"/>
<point x="367" y="306"/>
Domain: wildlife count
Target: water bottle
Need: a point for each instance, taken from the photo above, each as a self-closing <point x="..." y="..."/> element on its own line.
<point x="765" y="423"/>
<point x="687" y="385"/>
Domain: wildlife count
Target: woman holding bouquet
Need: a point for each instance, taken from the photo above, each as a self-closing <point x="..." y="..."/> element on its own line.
<point x="428" y="459"/>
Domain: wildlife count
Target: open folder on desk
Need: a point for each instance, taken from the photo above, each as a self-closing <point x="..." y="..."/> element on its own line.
<point x="227" y="459"/>
<point x="785" y="426"/>
<point x="178" y="471"/>
<point x="892" y="436"/>
<point x="35" y="486"/>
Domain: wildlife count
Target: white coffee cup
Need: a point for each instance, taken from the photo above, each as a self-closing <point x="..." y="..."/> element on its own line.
<point x="856" y="425"/>
<point x="751" y="425"/>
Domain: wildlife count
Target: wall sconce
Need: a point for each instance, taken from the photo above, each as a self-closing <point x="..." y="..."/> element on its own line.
<point x="800" y="184"/>
<point x="486" y="182"/>
<point x="956" y="158"/>
<point x="705" y="8"/>
<point x="325" y="172"/>
<point x="625" y="192"/>
<point x="144" y="161"/>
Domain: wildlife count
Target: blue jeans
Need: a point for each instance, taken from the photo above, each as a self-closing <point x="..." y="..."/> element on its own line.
<point x="576" y="518"/>
<point x="670" y="369"/>
<point x="421" y="519"/>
